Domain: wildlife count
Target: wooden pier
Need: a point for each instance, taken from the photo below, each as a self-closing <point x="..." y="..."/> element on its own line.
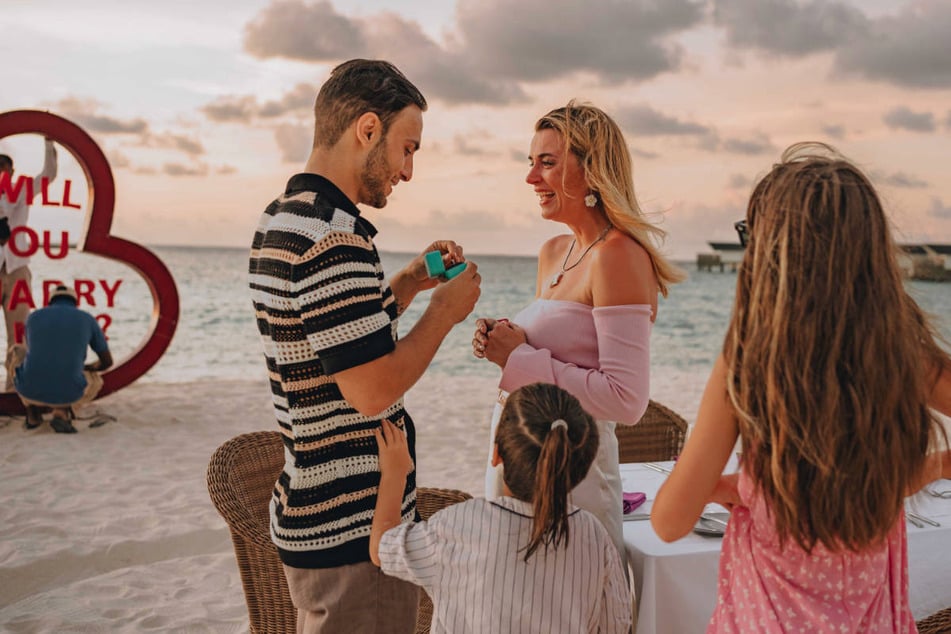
<point x="928" y="262"/>
<point x="726" y="256"/>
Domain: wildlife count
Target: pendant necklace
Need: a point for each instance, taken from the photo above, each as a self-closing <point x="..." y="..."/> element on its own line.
<point x="564" y="269"/>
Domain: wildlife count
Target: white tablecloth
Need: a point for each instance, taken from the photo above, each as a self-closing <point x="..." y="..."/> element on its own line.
<point x="676" y="583"/>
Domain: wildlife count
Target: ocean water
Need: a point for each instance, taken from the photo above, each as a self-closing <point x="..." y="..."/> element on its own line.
<point x="217" y="337"/>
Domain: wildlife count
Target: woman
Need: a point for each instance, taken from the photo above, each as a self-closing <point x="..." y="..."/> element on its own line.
<point x="827" y="375"/>
<point x="596" y="294"/>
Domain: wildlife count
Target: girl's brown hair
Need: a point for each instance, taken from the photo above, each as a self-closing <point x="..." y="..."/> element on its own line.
<point x="830" y="362"/>
<point x="544" y="460"/>
<point x="596" y="140"/>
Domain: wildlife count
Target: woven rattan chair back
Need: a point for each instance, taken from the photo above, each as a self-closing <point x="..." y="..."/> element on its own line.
<point x="659" y="435"/>
<point x="241" y="477"/>
<point x="428" y="501"/>
<point x="937" y="623"/>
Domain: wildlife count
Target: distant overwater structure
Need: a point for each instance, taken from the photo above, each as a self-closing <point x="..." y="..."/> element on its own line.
<point x="928" y="262"/>
<point x="725" y="256"/>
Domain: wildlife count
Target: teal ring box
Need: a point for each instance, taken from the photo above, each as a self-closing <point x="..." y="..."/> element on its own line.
<point x="436" y="268"/>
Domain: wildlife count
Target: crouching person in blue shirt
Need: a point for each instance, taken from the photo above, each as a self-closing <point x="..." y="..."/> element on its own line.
<point x="51" y="370"/>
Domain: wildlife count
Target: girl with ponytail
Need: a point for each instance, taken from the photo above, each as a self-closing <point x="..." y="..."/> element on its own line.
<point x="526" y="561"/>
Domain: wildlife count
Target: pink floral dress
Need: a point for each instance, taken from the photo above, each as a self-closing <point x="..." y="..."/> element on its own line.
<point x="765" y="589"/>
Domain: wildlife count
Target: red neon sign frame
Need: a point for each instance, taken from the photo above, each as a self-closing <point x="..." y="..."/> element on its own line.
<point x="96" y="239"/>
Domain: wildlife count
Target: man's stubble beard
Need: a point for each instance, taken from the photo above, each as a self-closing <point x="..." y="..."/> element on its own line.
<point x="374" y="176"/>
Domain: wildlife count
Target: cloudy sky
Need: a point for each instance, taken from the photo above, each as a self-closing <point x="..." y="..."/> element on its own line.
<point x="204" y="108"/>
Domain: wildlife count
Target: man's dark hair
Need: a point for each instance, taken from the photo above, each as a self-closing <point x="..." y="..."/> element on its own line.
<point x="5" y="160"/>
<point x="357" y="87"/>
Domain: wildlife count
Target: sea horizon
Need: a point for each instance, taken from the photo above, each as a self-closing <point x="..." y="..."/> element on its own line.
<point x="216" y="337"/>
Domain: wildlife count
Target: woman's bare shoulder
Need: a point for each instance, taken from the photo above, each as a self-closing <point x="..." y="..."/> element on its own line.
<point x="554" y="246"/>
<point x="622" y="252"/>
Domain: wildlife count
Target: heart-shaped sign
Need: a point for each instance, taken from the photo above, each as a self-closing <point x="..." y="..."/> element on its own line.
<point x="97" y="240"/>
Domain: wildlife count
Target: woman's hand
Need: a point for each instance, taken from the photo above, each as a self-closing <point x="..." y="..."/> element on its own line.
<point x="394" y="450"/>
<point x="497" y="344"/>
<point x="480" y="338"/>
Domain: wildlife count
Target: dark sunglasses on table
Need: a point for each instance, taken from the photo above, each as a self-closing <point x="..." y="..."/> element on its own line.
<point x="742" y="231"/>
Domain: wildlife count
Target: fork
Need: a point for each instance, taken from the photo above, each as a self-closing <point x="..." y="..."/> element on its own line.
<point x="657" y="467"/>
<point x="938" y="494"/>
<point x="922" y="518"/>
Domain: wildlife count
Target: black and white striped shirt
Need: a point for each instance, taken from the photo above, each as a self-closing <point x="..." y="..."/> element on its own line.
<point x="322" y="306"/>
<point x="469" y="558"/>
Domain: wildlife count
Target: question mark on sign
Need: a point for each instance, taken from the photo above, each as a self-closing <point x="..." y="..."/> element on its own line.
<point x="106" y="322"/>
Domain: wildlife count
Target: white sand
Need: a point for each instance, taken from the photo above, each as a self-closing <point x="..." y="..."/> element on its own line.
<point x="112" y="529"/>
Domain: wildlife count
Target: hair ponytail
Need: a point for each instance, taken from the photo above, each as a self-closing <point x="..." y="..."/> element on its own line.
<point x="550" y="494"/>
<point x="545" y="460"/>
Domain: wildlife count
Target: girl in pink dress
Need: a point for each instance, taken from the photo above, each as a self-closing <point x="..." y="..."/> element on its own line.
<point x="827" y="376"/>
<point x="588" y="330"/>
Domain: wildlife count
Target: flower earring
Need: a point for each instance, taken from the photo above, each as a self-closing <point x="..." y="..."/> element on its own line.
<point x="590" y="200"/>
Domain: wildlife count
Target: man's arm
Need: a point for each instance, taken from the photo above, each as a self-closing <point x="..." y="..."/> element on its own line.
<point x="104" y="362"/>
<point x="50" y="165"/>
<point x="373" y="386"/>
<point x="412" y="279"/>
<point x="405" y="289"/>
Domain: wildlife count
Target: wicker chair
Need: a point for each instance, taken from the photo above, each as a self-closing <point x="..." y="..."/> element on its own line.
<point x="659" y="435"/>
<point x="428" y="501"/>
<point x="937" y="623"/>
<point x="241" y="477"/>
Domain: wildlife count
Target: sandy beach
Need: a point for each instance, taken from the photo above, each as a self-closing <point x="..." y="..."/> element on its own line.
<point x="112" y="529"/>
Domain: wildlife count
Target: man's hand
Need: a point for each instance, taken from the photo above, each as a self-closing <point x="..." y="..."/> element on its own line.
<point x="104" y="363"/>
<point x="414" y="277"/>
<point x="416" y="269"/>
<point x="457" y="298"/>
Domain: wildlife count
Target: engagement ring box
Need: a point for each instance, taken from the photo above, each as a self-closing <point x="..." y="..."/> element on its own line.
<point x="436" y="268"/>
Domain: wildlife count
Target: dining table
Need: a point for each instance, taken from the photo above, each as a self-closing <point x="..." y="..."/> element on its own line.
<point x="676" y="583"/>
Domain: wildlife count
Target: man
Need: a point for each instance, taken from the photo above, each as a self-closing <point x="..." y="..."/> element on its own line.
<point x="15" y="212"/>
<point x="51" y="371"/>
<point x="328" y="321"/>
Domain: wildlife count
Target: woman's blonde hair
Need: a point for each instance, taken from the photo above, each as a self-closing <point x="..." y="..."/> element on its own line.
<point x="597" y="142"/>
<point x="830" y="362"/>
<point x="547" y="442"/>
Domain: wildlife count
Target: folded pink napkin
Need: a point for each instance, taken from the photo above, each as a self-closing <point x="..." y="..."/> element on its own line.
<point x="632" y="500"/>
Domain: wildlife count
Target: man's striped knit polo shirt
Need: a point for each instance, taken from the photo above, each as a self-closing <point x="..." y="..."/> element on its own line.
<point x="322" y="306"/>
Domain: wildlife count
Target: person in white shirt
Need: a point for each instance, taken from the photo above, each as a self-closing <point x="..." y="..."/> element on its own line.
<point x="529" y="561"/>
<point x="15" y="212"/>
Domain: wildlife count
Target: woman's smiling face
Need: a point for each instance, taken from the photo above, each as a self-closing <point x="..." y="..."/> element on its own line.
<point x="557" y="177"/>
